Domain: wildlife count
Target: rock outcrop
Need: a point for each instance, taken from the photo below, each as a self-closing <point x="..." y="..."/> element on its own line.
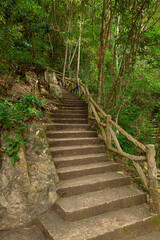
<point x="29" y="188"/>
<point x="45" y="83"/>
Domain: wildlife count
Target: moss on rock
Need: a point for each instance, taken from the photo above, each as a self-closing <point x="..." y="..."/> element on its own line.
<point x="29" y="188"/>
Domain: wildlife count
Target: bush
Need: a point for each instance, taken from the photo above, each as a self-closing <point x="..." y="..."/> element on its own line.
<point x="13" y="116"/>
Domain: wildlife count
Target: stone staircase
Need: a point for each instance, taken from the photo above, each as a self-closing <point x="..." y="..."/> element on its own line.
<point x="97" y="201"/>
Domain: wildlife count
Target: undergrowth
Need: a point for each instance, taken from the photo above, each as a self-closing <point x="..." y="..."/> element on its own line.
<point x="14" y="115"/>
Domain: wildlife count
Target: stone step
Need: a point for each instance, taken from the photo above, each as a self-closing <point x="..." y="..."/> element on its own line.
<point x="95" y="203"/>
<point x="73" y="141"/>
<point x="79" y="160"/>
<point x="92" y="183"/>
<point x="149" y="236"/>
<point x="66" y="173"/>
<point x="73" y="104"/>
<point x="72" y="111"/>
<point x="63" y="115"/>
<point x="66" y="92"/>
<point x="70" y="106"/>
<point x="73" y="101"/>
<point x="70" y="97"/>
<point x="67" y="120"/>
<point x="118" y="225"/>
<point x="92" y="190"/>
<point x="77" y="150"/>
<point x="77" y="108"/>
<point x="29" y="232"/>
<point x="67" y="127"/>
<point x="76" y="105"/>
<point x="71" y="134"/>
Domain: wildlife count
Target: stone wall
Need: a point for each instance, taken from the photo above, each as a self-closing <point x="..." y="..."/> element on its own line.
<point x="29" y="188"/>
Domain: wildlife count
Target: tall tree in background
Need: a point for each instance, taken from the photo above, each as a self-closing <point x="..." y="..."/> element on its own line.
<point x="104" y="37"/>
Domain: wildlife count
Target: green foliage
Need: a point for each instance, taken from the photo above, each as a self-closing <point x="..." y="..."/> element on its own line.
<point x="13" y="146"/>
<point x="157" y="107"/>
<point x="127" y="145"/>
<point x="13" y="116"/>
<point x="29" y="106"/>
<point x="34" y="34"/>
<point x="23" y="31"/>
<point x="10" y="117"/>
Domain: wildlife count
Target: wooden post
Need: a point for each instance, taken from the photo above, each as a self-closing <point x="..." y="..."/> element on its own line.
<point x="87" y="95"/>
<point x="108" y="134"/>
<point x="154" y="199"/>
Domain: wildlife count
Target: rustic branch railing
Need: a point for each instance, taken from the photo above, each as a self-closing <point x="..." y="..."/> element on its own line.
<point x="107" y="126"/>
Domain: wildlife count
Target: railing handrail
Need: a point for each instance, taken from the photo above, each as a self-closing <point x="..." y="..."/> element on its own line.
<point x="108" y="134"/>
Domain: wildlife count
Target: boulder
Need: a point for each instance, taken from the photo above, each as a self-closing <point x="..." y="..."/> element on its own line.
<point x="29" y="188"/>
<point x="45" y="83"/>
<point x="32" y="80"/>
<point x="54" y="86"/>
<point x="19" y="89"/>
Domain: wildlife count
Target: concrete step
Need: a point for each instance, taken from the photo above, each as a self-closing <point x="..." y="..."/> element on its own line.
<point x="66" y="173"/>
<point x="77" y="108"/>
<point x="67" y="127"/>
<point x="77" y="150"/>
<point x="29" y="232"/>
<point x="118" y="225"/>
<point x="149" y="236"/>
<point x="79" y="160"/>
<point x="70" y="97"/>
<point x="73" y="101"/>
<point x="68" y="111"/>
<point x="71" y="134"/>
<point x="67" y="120"/>
<point x="92" y="183"/>
<point x="74" y="141"/>
<point x="63" y="115"/>
<point x="95" y="203"/>
<point x="73" y="104"/>
<point x="76" y="105"/>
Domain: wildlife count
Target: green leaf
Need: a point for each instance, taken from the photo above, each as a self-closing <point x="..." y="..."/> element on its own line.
<point x="12" y="161"/>
<point x="16" y="157"/>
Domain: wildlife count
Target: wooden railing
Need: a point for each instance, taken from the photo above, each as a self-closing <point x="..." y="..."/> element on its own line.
<point x="108" y="129"/>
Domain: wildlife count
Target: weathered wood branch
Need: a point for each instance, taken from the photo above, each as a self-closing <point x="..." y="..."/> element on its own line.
<point x="99" y="123"/>
<point x="115" y="140"/>
<point x="141" y="173"/>
<point x="96" y="113"/>
<point x="129" y="137"/>
<point x="152" y="177"/>
<point x="99" y="109"/>
<point x="131" y="157"/>
<point x="103" y="124"/>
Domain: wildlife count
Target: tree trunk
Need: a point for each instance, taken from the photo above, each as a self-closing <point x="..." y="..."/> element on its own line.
<point x="65" y="62"/>
<point x="101" y="62"/>
<point x="78" y="62"/>
<point x="50" y="42"/>
<point x="33" y="54"/>
<point x="116" y="47"/>
<point x="71" y="59"/>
